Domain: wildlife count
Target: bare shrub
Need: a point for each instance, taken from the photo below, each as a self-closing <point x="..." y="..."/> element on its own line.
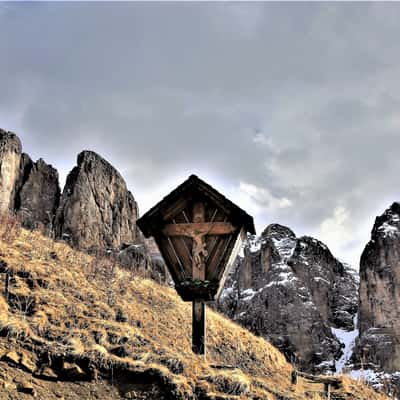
<point x="10" y="227"/>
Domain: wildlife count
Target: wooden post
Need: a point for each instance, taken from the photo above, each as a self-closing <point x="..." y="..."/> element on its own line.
<point x="199" y="328"/>
<point x="294" y="377"/>
<point x="199" y="272"/>
<point x="328" y="390"/>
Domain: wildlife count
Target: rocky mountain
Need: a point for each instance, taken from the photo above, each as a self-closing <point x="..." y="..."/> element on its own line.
<point x="29" y="189"/>
<point x="296" y="294"/>
<point x="97" y="211"/>
<point x="39" y="194"/>
<point x="378" y="345"/>
<point x="10" y="159"/>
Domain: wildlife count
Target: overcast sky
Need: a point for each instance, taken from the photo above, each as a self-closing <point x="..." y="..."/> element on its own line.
<point x="291" y="109"/>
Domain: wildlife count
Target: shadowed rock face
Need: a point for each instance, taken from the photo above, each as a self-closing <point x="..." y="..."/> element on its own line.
<point x="10" y="157"/>
<point x="29" y="189"/>
<point x="379" y="319"/>
<point x="96" y="211"/>
<point x="292" y="291"/>
<point x="39" y="193"/>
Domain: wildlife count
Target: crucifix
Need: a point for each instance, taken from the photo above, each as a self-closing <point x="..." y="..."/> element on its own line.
<point x="197" y="231"/>
<point x="199" y="268"/>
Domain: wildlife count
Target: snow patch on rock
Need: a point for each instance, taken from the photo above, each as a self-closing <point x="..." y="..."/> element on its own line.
<point x="390" y="227"/>
<point x="285" y="247"/>
<point x="388" y="230"/>
<point x="348" y="338"/>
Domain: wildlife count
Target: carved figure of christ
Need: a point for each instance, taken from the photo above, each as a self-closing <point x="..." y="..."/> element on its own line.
<point x="198" y="230"/>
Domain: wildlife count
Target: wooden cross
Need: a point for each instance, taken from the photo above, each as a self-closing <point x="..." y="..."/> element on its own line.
<point x="198" y="230"/>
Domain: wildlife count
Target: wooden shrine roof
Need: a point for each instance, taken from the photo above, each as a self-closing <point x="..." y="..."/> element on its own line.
<point x="192" y="186"/>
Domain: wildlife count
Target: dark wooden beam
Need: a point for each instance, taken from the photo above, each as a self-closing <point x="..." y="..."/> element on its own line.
<point x="199" y="272"/>
<point x="199" y="328"/>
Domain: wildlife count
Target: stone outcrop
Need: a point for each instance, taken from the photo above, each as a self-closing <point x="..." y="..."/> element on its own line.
<point x="378" y="346"/>
<point x="97" y="211"/>
<point x="29" y="189"/>
<point x="292" y="291"/>
<point x="38" y="194"/>
<point x="10" y="158"/>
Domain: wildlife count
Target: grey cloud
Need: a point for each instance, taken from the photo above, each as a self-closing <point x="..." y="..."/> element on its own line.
<point x="166" y="89"/>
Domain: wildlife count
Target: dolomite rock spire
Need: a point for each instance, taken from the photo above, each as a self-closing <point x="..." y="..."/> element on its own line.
<point x="10" y="158"/>
<point x="379" y="321"/>
<point x="97" y="211"/>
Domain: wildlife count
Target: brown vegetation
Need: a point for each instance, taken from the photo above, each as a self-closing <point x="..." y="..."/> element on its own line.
<point x="86" y="319"/>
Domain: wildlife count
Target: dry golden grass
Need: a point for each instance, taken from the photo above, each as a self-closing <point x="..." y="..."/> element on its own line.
<point x="68" y="300"/>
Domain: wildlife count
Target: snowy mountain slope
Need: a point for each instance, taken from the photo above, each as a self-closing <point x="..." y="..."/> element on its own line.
<point x="294" y="292"/>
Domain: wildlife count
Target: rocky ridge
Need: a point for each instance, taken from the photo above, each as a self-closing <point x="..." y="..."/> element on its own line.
<point x="38" y="196"/>
<point x="295" y="293"/>
<point x="10" y="159"/>
<point x="95" y="212"/>
<point x="29" y="189"/>
<point x="378" y="346"/>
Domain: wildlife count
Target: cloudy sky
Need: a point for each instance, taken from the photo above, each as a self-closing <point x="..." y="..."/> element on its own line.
<point x="291" y="109"/>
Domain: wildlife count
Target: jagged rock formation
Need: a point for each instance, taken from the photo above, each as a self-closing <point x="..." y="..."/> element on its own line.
<point x="27" y="188"/>
<point x="10" y="157"/>
<point x="97" y="211"/>
<point x="293" y="292"/>
<point x="378" y="346"/>
<point x="39" y="195"/>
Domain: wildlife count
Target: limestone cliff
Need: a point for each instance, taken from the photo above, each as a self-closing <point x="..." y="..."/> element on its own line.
<point x="10" y="158"/>
<point x="97" y="211"/>
<point x="29" y="189"/>
<point x="38" y="195"/>
<point x="379" y="322"/>
<point x="293" y="292"/>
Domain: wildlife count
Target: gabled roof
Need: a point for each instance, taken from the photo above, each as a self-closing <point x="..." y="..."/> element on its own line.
<point x="192" y="185"/>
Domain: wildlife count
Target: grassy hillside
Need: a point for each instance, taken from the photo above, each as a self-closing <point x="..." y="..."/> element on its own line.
<point x="77" y="327"/>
